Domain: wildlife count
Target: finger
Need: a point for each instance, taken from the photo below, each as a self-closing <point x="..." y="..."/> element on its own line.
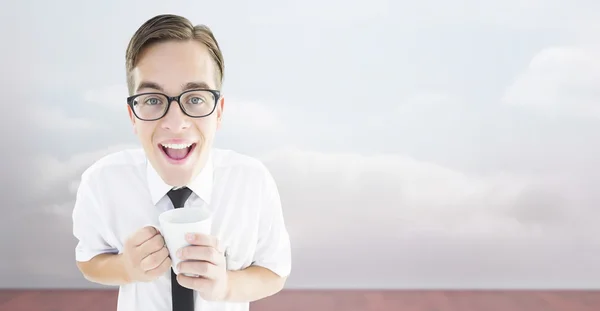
<point x="196" y="283"/>
<point x="155" y="259"/>
<point x="204" y="253"/>
<point x="202" y="239"/>
<point x="201" y="268"/>
<point x="151" y="246"/>
<point x="164" y="266"/>
<point x="143" y="235"/>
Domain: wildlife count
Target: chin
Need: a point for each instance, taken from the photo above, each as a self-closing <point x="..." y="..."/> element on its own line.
<point x="176" y="180"/>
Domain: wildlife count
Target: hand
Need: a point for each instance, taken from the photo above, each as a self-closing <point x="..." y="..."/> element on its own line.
<point x="145" y="255"/>
<point x="203" y="258"/>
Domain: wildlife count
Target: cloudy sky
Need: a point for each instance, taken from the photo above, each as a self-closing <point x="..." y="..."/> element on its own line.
<point x="416" y="145"/>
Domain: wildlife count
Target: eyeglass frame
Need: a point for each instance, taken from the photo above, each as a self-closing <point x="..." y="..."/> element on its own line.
<point x="170" y="99"/>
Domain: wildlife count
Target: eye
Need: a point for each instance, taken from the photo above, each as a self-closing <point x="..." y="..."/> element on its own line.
<point x="196" y="100"/>
<point x="152" y="101"/>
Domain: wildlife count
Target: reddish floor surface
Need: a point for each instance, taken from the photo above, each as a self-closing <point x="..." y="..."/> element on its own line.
<point x="329" y="300"/>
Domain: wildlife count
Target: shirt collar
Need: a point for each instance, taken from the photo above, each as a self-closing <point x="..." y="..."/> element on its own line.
<point x="202" y="185"/>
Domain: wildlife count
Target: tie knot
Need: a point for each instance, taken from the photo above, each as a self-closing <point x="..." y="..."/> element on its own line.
<point x="179" y="196"/>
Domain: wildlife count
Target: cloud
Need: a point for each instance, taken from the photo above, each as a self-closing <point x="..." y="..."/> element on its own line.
<point x="531" y="14"/>
<point x="337" y="11"/>
<point x="395" y="195"/>
<point x="391" y="206"/>
<point x="54" y="119"/>
<point x="521" y="15"/>
<point x="46" y="208"/>
<point x="111" y="97"/>
<point x="390" y="219"/>
<point x="429" y="103"/>
<point x="397" y="192"/>
<point x="559" y="80"/>
<point x="58" y="180"/>
<point x="251" y="116"/>
<point x="398" y="222"/>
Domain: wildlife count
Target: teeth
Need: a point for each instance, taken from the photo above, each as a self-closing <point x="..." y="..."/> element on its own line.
<point x="176" y="146"/>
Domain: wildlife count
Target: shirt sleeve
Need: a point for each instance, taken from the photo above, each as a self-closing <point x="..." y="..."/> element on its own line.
<point x="88" y="227"/>
<point x="273" y="249"/>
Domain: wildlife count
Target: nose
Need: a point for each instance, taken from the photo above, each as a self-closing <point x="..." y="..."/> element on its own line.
<point x="175" y="120"/>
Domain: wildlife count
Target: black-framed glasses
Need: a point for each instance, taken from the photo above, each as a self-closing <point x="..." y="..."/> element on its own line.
<point x="197" y="103"/>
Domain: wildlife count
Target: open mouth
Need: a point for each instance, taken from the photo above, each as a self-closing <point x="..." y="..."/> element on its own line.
<point x="177" y="152"/>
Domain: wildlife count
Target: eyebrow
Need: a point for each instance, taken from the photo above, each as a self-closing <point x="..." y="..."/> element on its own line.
<point x="149" y="85"/>
<point x="187" y="86"/>
<point x="195" y="85"/>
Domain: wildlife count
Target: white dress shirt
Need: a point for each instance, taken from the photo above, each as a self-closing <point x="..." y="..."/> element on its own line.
<point x="122" y="192"/>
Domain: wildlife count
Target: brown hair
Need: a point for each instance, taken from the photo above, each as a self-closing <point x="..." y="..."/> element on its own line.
<point x="168" y="27"/>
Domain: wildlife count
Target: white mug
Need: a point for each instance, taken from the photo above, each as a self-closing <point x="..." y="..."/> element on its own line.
<point x="176" y="223"/>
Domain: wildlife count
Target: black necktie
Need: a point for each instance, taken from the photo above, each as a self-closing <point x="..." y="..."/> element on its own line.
<point x="183" y="298"/>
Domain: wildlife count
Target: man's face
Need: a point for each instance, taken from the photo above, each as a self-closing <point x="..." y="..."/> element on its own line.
<point x="171" y="68"/>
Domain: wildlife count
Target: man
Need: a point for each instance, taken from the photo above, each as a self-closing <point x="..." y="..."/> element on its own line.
<point x="174" y="75"/>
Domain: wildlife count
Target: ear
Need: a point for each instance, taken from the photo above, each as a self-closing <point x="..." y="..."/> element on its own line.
<point x="132" y="118"/>
<point x="220" y="108"/>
